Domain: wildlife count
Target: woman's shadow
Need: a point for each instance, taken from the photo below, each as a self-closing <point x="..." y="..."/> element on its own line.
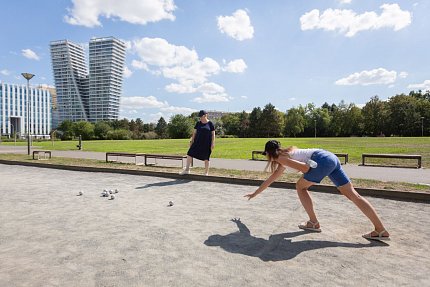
<point x="278" y="247"/>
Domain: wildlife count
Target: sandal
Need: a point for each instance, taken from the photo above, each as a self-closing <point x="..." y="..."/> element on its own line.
<point x="379" y="236"/>
<point x="305" y="226"/>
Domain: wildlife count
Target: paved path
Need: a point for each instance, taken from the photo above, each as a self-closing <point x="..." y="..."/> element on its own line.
<point x="354" y="171"/>
<point x="52" y="237"/>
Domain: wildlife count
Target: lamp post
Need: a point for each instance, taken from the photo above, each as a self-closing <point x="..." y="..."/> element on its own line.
<point x="28" y="77"/>
<point x="315" y="125"/>
<point x="14" y="133"/>
<point x="422" y="126"/>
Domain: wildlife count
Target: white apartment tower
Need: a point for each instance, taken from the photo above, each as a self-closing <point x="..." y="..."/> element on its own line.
<point x="71" y="80"/>
<point x="14" y="100"/>
<point x="107" y="57"/>
<point x="92" y="96"/>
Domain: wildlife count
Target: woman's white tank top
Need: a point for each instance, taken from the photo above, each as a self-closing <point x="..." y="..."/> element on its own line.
<point x="302" y="155"/>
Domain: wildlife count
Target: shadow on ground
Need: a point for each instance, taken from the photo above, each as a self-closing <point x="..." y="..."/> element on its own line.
<point x="278" y="247"/>
<point x="164" y="183"/>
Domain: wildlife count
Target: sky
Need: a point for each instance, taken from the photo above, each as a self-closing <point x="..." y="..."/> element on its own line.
<point x="187" y="55"/>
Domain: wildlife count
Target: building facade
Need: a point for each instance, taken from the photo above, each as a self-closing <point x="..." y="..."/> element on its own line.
<point x="71" y="80"/>
<point x="92" y="96"/>
<point x="107" y="57"/>
<point x="13" y="111"/>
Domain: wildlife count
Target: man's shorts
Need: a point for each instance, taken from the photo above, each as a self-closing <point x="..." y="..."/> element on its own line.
<point x="328" y="165"/>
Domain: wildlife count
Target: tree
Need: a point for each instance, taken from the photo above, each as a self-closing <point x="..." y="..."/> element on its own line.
<point x="243" y="124"/>
<point x="254" y="123"/>
<point x="66" y="130"/>
<point x="84" y="129"/>
<point x="161" y="128"/>
<point x="231" y="123"/>
<point x="180" y="127"/>
<point x="295" y="121"/>
<point x="375" y="117"/>
<point x="404" y="115"/>
<point x="271" y="121"/>
<point x="101" y="130"/>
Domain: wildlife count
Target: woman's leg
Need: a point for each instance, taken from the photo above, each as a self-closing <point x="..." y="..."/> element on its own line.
<point x="206" y="167"/>
<point x="302" y="186"/>
<point x="187" y="166"/>
<point x="365" y="207"/>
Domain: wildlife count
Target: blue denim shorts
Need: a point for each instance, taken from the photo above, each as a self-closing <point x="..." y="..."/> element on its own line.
<point x="328" y="165"/>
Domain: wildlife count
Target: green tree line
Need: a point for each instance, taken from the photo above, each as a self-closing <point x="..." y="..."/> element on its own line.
<point x="401" y="115"/>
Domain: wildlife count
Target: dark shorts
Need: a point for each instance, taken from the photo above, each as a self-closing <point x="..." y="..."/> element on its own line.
<point x="328" y="165"/>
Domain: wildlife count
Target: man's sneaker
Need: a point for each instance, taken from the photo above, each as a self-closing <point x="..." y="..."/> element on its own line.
<point x="184" y="172"/>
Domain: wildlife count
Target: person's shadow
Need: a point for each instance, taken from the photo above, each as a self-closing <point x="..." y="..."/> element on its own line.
<point x="278" y="247"/>
<point x="164" y="183"/>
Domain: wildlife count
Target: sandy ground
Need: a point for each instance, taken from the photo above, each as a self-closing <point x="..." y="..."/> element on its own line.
<point x="49" y="236"/>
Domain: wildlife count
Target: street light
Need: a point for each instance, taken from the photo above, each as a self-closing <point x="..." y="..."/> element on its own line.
<point x="28" y="77"/>
<point x="315" y="125"/>
<point x="422" y="126"/>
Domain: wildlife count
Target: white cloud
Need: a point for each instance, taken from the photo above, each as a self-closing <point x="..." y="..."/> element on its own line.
<point x="177" y="110"/>
<point x="243" y="97"/>
<point x="403" y="75"/>
<point x="345" y="1"/>
<point x="196" y="73"/>
<point x="237" y="26"/>
<point x="178" y="63"/>
<point x="425" y="86"/>
<point x="212" y="98"/>
<point x="158" y="52"/>
<point x="127" y="72"/>
<point x="29" y="54"/>
<point x="350" y="23"/>
<point x="378" y="76"/>
<point x="87" y="12"/>
<point x="236" y="66"/>
<point x="5" y="72"/>
<point x="139" y="65"/>
<point x="139" y="102"/>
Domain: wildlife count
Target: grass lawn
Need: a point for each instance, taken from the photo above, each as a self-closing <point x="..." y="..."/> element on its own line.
<point x="230" y="173"/>
<point x="241" y="148"/>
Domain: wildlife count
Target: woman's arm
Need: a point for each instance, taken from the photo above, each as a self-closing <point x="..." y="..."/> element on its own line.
<point x="297" y="165"/>
<point x="278" y="172"/>
<point x="192" y="137"/>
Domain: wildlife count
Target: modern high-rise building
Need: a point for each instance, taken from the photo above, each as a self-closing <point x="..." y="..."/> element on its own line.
<point x="107" y="57"/>
<point x="71" y="80"/>
<point x="13" y="111"/>
<point x="92" y="96"/>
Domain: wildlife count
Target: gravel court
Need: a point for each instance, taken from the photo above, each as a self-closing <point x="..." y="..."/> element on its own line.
<point x="49" y="236"/>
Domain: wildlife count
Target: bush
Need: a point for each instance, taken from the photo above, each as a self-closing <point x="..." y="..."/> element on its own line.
<point x="120" y="134"/>
<point x="150" y="135"/>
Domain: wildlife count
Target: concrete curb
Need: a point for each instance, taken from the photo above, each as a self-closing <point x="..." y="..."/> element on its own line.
<point x="382" y="193"/>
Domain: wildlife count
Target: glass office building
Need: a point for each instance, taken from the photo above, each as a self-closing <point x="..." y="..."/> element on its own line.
<point x="71" y="80"/>
<point x="107" y="57"/>
<point x="92" y="96"/>
<point x="13" y="111"/>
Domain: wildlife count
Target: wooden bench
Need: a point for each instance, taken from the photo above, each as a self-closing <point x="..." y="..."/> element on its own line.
<point x="397" y="156"/>
<point x="125" y="154"/>
<point x="45" y="153"/>
<point x="344" y="155"/>
<point x="257" y="152"/>
<point x="165" y="156"/>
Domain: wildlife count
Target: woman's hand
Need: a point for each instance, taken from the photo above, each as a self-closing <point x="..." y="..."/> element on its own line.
<point x="251" y="195"/>
<point x="212" y="146"/>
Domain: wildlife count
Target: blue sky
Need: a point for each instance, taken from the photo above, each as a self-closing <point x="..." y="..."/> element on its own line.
<point x="187" y="55"/>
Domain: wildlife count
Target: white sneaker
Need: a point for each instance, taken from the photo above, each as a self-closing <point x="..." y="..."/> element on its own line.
<point x="184" y="172"/>
<point x="207" y="174"/>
